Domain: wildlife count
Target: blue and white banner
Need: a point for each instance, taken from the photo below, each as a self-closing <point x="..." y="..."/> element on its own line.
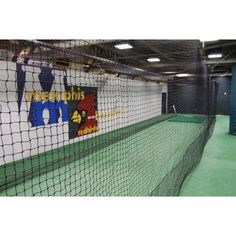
<point x="35" y="114"/>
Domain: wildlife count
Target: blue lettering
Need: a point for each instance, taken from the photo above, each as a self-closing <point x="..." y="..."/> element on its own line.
<point x="37" y="108"/>
<point x="64" y="110"/>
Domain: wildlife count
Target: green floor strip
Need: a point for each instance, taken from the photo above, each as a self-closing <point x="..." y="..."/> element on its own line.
<point x="216" y="173"/>
<point x="188" y="119"/>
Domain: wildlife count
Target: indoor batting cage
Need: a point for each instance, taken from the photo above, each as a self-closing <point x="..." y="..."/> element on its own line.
<point x="102" y="117"/>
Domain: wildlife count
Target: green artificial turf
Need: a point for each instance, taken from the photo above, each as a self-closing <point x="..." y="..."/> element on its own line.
<point x="188" y="119"/>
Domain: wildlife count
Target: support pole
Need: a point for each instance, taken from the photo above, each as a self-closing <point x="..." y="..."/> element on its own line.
<point x="232" y="125"/>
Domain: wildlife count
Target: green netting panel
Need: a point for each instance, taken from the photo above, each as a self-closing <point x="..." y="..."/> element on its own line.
<point x="172" y="182"/>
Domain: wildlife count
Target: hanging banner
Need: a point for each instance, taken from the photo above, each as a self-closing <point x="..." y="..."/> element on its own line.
<point x="82" y="113"/>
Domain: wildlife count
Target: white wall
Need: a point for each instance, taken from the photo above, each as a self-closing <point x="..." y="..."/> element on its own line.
<point x="137" y="100"/>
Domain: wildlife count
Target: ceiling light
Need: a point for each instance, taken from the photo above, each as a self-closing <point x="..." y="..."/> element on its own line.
<point x="123" y="46"/>
<point x="169" y="72"/>
<point x="138" y="69"/>
<point x="208" y="40"/>
<point x="216" y="55"/>
<point x="153" y="59"/>
<point x="183" y="75"/>
<point x="86" y="65"/>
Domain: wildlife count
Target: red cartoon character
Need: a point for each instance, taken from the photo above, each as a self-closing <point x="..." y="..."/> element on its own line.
<point x="85" y="115"/>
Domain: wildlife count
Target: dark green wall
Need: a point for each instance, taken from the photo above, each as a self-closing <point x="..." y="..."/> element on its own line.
<point x="222" y="100"/>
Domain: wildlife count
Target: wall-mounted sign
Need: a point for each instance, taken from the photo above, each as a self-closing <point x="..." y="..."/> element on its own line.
<point x="73" y="104"/>
<point x="82" y="113"/>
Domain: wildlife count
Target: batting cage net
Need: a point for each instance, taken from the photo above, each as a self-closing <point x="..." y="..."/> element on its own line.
<point x="78" y="118"/>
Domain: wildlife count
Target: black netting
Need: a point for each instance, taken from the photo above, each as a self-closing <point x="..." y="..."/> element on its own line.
<point x="80" y="118"/>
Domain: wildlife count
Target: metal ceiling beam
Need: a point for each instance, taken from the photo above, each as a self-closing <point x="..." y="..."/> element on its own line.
<point x="105" y="62"/>
<point x="229" y="61"/>
<point x="220" y="74"/>
<point x="220" y="45"/>
<point x="79" y="43"/>
<point x="175" y="64"/>
<point x="134" y="56"/>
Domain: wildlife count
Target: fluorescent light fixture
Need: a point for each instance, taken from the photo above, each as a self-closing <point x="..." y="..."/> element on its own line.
<point x="169" y="72"/>
<point x="86" y="65"/>
<point x="138" y="69"/>
<point x="208" y="40"/>
<point x="183" y="75"/>
<point x="123" y="46"/>
<point x="216" y="55"/>
<point x="153" y="59"/>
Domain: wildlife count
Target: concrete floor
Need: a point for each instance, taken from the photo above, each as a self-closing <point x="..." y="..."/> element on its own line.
<point x="216" y="173"/>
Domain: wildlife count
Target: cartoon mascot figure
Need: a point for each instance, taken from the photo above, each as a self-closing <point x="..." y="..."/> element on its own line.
<point x="85" y="115"/>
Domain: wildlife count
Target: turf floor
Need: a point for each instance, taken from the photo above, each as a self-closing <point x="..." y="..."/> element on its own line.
<point x="188" y="118"/>
<point x="216" y="173"/>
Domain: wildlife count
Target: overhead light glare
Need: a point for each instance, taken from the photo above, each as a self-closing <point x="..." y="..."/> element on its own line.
<point x="153" y="59"/>
<point x="209" y="40"/>
<point x="123" y="46"/>
<point x="138" y="69"/>
<point x="216" y="55"/>
<point x="169" y="72"/>
<point x="183" y="75"/>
